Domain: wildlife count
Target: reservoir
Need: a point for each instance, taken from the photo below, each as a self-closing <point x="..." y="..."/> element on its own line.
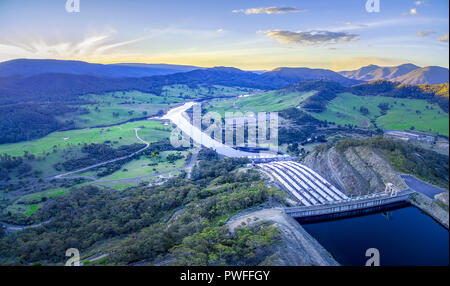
<point x="404" y="236"/>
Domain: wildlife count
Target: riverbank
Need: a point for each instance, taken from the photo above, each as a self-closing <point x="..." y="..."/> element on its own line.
<point x="431" y="208"/>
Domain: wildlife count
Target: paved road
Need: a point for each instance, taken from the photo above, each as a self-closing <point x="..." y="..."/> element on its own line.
<point x="14" y="228"/>
<point x="188" y="169"/>
<point x="421" y="186"/>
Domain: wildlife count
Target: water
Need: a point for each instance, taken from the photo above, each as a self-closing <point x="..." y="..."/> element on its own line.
<point x="404" y="236"/>
<point x="175" y="115"/>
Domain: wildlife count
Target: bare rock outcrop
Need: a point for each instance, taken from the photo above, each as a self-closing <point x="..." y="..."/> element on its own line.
<point x="356" y="170"/>
<point x="443" y="197"/>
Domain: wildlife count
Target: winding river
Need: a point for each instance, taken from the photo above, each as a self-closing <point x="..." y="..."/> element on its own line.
<point x="177" y="117"/>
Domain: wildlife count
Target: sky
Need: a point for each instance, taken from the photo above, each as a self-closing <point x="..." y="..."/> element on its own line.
<point x="247" y="34"/>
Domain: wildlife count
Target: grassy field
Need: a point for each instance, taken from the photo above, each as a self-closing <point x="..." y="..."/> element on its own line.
<point x="147" y="166"/>
<point x="124" y="134"/>
<point x="28" y="204"/>
<point x="113" y="108"/>
<point x="116" y="107"/>
<point x="268" y="101"/>
<point x="402" y="113"/>
<point x="184" y="91"/>
<point x="122" y="185"/>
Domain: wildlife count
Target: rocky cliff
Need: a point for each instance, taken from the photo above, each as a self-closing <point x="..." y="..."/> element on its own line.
<point x="357" y="170"/>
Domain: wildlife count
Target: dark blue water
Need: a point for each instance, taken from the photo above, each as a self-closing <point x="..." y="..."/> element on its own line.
<point x="404" y="236"/>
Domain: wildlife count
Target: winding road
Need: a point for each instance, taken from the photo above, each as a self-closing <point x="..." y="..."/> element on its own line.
<point x="107" y="162"/>
<point x="176" y="116"/>
<point x="14" y="228"/>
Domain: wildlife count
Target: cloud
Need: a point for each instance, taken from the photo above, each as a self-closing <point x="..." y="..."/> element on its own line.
<point x="356" y="26"/>
<point x="425" y="33"/>
<point x="418" y="3"/>
<point x="219" y="30"/>
<point x="96" y="45"/>
<point x="311" y="37"/>
<point x="443" y="38"/>
<point x="413" y="11"/>
<point x="269" y="10"/>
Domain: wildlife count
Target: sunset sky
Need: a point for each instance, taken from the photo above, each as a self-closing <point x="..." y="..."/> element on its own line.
<point x="248" y="34"/>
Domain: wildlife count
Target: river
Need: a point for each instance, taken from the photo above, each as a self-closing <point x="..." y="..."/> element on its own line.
<point x="175" y="115"/>
<point x="404" y="236"/>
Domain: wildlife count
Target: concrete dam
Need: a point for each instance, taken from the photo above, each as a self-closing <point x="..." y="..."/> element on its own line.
<point x="317" y="197"/>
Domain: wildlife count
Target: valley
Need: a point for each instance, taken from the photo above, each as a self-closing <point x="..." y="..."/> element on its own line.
<point x="108" y="172"/>
<point x="386" y="113"/>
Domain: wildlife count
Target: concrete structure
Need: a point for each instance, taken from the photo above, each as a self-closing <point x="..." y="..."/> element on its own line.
<point x="301" y="181"/>
<point x="318" y="197"/>
<point x="350" y="205"/>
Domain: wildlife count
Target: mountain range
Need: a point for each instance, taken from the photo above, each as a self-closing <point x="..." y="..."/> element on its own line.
<point x="406" y="73"/>
<point x="279" y="77"/>
<point x="276" y="78"/>
<point x="285" y="76"/>
<point x="30" y="67"/>
<point x="24" y="79"/>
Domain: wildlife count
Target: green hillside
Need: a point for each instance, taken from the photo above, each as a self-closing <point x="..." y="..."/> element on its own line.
<point x="401" y="115"/>
<point x="268" y="101"/>
<point x="151" y="131"/>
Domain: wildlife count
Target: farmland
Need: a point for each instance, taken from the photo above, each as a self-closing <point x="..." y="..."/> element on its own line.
<point x="146" y="166"/>
<point x="402" y="114"/>
<point x="124" y="134"/>
<point x="268" y="101"/>
<point x="116" y="107"/>
<point x="184" y="91"/>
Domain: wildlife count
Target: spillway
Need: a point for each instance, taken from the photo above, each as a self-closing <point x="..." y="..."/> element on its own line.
<point x="304" y="183"/>
<point x="286" y="185"/>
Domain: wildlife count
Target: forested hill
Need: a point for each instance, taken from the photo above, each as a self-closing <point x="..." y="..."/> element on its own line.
<point x="284" y="76"/>
<point x="55" y="87"/>
<point x="406" y="73"/>
<point x="64" y="86"/>
<point x="29" y="67"/>
<point x="433" y="93"/>
<point x="327" y="90"/>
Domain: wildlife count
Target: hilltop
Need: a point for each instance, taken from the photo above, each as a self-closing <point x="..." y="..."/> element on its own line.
<point x="406" y="73"/>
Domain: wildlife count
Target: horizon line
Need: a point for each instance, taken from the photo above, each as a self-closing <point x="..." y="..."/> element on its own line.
<point x="214" y="66"/>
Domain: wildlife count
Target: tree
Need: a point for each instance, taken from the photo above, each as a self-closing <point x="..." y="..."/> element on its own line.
<point x="384" y="107"/>
<point x="364" y="111"/>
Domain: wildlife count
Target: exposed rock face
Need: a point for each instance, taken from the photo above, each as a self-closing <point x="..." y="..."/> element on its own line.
<point x="443" y="197"/>
<point x="357" y="170"/>
<point x="431" y="208"/>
